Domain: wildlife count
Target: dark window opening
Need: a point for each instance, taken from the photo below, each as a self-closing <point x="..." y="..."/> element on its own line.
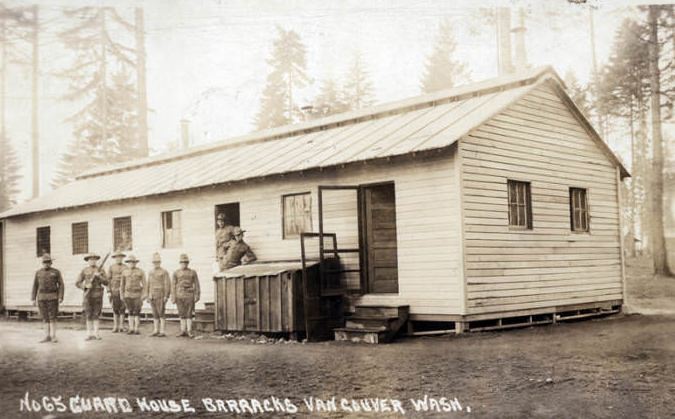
<point x="520" y="205"/>
<point x="43" y="241"/>
<point x="122" y="237"/>
<point x="231" y="213"/>
<point x="80" y="238"/>
<point x="579" y="217"/>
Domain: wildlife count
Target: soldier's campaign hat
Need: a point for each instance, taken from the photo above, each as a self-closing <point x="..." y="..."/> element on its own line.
<point x="156" y="258"/>
<point x="221" y="216"/>
<point x="237" y="231"/>
<point x="184" y="258"/>
<point x="131" y="258"/>
<point x="46" y="258"/>
<point x="92" y="256"/>
<point x="118" y="253"/>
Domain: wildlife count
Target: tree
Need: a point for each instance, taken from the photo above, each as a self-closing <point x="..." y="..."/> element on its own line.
<point x="105" y="129"/>
<point x="442" y="70"/>
<point x="358" y="89"/>
<point x="578" y="93"/>
<point x="287" y="74"/>
<point x="9" y="174"/>
<point x="329" y="101"/>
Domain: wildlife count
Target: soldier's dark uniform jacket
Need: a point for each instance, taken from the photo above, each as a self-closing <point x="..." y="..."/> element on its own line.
<point x="185" y="288"/>
<point x="158" y="290"/>
<point x="48" y="290"/>
<point x="235" y="251"/>
<point x="92" y="280"/>
<point x="132" y="287"/>
<point x="115" y="283"/>
<point x="223" y="237"/>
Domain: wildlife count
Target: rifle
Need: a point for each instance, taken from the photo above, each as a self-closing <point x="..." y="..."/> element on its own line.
<point x="98" y="268"/>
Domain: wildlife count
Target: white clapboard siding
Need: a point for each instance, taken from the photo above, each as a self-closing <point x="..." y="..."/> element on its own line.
<point x="537" y="140"/>
<point x="428" y="230"/>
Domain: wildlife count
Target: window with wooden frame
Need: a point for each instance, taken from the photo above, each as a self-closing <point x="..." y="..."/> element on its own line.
<point x="579" y="217"/>
<point x="520" y="205"/>
<point x="80" y="238"/>
<point x="43" y="241"/>
<point x="297" y="214"/>
<point x="171" y="229"/>
<point x="122" y="237"/>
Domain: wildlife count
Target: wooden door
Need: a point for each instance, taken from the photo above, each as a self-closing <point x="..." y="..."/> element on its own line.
<point x="251" y="303"/>
<point x="379" y="216"/>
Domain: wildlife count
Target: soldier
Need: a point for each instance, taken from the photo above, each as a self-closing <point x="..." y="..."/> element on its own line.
<point x="91" y="280"/>
<point x="157" y="292"/>
<point x="115" y="275"/>
<point x="47" y="294"/>
<point x="132" y="287"/>
<point x="185" y="293"/>
<point x="224" y="234"/>
<point x="238" y="251"/>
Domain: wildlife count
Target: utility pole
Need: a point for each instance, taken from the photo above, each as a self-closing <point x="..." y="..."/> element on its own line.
<point x="141" y="85"/>
<point x="504" y="61"/>
<point x="35" y="149"/>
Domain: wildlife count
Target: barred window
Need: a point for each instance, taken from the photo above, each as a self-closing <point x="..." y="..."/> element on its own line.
<point x="171" y="229"/>
<point x="520" y="205"/>
<point x="297" y="214"/>
<point x="579" y="219"/>
<point x="80" y="236"/>
<point x="43" y="241"/>
<point x="122" y="237"/>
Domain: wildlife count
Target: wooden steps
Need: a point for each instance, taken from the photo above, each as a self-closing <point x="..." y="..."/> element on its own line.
<point x="373" y="324"/>
<point x="205" y="320"/>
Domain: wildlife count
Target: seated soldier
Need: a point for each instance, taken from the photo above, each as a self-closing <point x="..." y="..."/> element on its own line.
<point x="238" y="252"/>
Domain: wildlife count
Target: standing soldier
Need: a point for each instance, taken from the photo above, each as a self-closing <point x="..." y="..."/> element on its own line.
<point x="238" y="251"/>
<point x="224" y="234"/>
<point x="132" y="287"/>
<point x="91" y="280"/>
<point x="47" y="294"/>
<point x="185" y="294"/>
<point x="157" y="292"/>
<point x="115" y="275"/>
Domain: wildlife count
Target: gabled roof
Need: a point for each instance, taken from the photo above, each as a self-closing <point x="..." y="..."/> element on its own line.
<point x="423" y="123"/>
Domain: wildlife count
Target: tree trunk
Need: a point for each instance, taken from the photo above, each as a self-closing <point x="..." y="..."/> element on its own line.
<point x="657" y="230"/>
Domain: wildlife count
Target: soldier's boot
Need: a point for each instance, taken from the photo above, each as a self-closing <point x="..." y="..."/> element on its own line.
<point x="182" y="329"/>
<point x="155" y="327"/>
<point x="162" y="328"/>
<point x="52" y="331"/>
<point x="137" y="322"/>
<point x="47" y="337"/>
<point x="121" y="323"/>
<point x="117" y="323"/>
<point x="131" y="325"/>
<point x="189" y="327"/>
<point x="89" y="327"/>
<point x="97" y="335"/>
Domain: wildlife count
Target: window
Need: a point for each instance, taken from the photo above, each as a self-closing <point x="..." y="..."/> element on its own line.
<point x="520" y="205"/>
<point x="297" y="214"/>
<point x="230" y="211"/>
<point x="43" y="242"/>
<point x="80" y="234"/>
<point x="579" y="220"/>
<point x="171" y="229"/>
<point x="122" y="238"/>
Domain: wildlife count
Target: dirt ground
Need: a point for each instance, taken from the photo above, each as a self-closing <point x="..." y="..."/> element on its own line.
<point x="619" y="367"/>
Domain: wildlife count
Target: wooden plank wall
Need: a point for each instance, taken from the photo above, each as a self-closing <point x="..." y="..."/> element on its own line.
<point x="428" y="230"/>
<point x="537" y="140"/>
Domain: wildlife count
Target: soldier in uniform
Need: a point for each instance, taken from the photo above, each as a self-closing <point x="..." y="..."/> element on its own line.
<point x="224" y="234"/>
<point x="132" y="287"/>
<point x="185" y="293"/>
<point x="157" y="292"/>
<point x="91" y="281"/>
<point x="238" y="251"/>
<point x="47" y="294"/>
<point x="115" y="276"/>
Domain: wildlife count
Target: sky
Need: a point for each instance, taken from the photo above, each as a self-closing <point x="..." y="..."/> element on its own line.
<point x="207" y="59"/>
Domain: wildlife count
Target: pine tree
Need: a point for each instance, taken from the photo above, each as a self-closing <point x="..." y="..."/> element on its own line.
<point x="9" y="174"/>
<point x="358" y="89"/>
<point x="443" y="71"/>
<point x="578" y="93"/>
<point x="287" y="75"/>
<point x="105" y="129"/>
<point x="329" y="101"/>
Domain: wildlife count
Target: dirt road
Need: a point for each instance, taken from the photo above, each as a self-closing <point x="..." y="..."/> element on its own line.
<point x="621" y="367"/>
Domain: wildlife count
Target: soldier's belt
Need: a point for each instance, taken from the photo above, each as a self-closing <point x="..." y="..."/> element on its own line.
<point x="48" y="295"/>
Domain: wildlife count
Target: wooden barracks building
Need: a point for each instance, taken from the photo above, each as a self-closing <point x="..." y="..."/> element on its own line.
<point x="486" y="205"/>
